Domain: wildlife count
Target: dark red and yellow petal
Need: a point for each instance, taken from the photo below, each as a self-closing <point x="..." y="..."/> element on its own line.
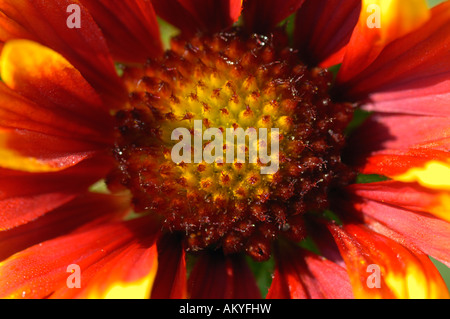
<point x="367" y="42"/>
<point x="216" y="276"/>
<point x="130" y="28"/>
<point x="404" y="273"/>
<point x="263" y="15"/>
<point x="116" y="260"/>
<point x="300" y="274"/>
<point x="417" y="61"/>
<point x="86" y="210"/>
<point x="191" y="16"/>
<point x="46" y="22"/>
<point x="170" y="281"/>
<point x="49" y="80"/>
<point x="323" y="29"/>
<point x="414" y="228"/>
<point x="56" y="130"/>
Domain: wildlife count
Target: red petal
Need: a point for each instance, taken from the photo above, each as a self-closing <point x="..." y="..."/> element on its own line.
<point x="409" y="196"/>
<point x="173" y="12"/>
<point x="20" y="210"/>
<point x="216" y="276"/>
<point x="263" y="15"/>
<point x="402" y="273"/>
<point x="301" y="274"/>
<point x="428" y="96"/>
<point x="85" y="47"/>
<point x="214" y="15"/>
<point x="170" y="281"/>
<point x="26" y="196"/>
<point x="323" y="28"/>
<point x="428" y="233"/>
<point x="390" y="144"/>
<point x="419" y="59"/>
<point x="83" y="209"/>
<point x="191" y="16"/>
<point x="21" y="113"/>
<point x="130" y="28"/>
<point x="397" y="163"/>
<point x="117" y="253"/>
<point x="403" y="132"/>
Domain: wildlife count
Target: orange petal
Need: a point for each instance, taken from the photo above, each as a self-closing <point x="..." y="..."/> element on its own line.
<point x="379" y="267"/>
<point x="380" y="23"/>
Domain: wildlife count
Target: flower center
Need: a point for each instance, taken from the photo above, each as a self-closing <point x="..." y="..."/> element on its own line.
<point x="230" y="140"/>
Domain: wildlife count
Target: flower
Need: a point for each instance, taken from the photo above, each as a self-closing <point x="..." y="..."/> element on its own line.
<point x="68" y="120"/>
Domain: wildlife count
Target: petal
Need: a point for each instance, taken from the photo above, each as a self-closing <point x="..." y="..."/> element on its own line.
<point x="87" y="208"/>
<point x="402" y="273"/>
<point x="395" y="142"/>
<point x="434" y="174"/>
<point x="263" y="15"/>
<point x="396" y="163"/>
<point x="130" y="28"/>
<point x="214" y="15"/>
<point x="323" y="28"/>
<point x="128" y="275"/>
<point x="174" y="13"/>
<point x="427" y="96"/>
<point x="46" y="22"/>
<point x="396" y="20"/>
<point x="50" y="133"/>
<point x="20" y="210"/>
<point x="114" y="258"/>
<point x="27" y="196"/>
<point x="419" y="60"/>
<point x="301" y="274"/>
<point x="46" y="78"/>
<point x="170" y="281"/>
<point x="216" y="276"/>
<point x="22" y="114"/>
<point x="429" y="234"/>
<point x="25" y="150"/>
<point x="409" y="196"/>
<point x="403" y="132"/>
<point x="200" y="15"/>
